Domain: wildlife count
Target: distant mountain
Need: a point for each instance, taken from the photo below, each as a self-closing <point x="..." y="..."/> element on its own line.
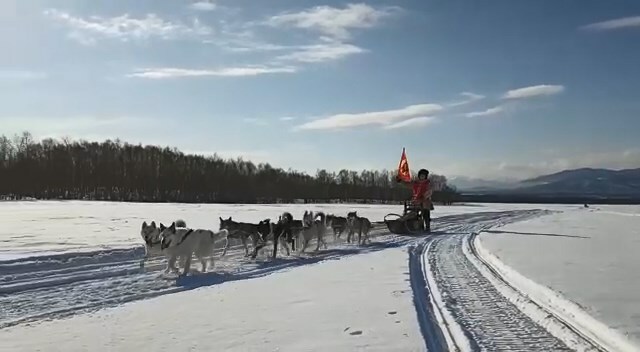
<point x="586" y="181"/>
<point x="477" y="184"/>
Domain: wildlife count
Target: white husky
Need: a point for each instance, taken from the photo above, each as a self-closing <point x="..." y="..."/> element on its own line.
<point x="152" y="240"/>
<point x="184" y="242"/>
<point x="313" y="228"/>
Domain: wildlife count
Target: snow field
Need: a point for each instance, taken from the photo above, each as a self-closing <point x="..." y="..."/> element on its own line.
<point x="582" y="262"/>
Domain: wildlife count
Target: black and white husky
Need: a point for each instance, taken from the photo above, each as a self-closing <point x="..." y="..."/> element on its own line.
<point x="258" y="234"/>
<point x="313" y="227"/>
<point x="184" y="242"/>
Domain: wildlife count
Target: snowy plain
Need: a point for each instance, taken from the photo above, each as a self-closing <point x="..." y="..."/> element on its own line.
<point x="590" y="256"/>
<point x="70" y="279"/>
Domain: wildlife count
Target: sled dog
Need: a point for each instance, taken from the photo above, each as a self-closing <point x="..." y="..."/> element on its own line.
<point x="243" y="231"/>
<point x="291" y="228"/>
<point x="360" y="224"/>
<point x="151" y="236"/>
<point x="184" y="242"/>
<point x="313" y="227"/>
<point x="284" y="232"/>
<point x="338" y="224"/>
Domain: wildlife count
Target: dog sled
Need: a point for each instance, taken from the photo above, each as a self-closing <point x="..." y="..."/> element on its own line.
<point x="411" y="222"/>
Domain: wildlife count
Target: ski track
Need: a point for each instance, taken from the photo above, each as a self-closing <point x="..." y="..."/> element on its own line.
<point x="488" y="320"/>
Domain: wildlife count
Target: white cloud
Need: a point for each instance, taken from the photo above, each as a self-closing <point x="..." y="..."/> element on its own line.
<point x="255" y="121"/>
<point x="469" y="98"/>
<point x="203" y="6"/>
<point x="332" y="21"/>
<point x="413" y="122"/>
<point x="126" y="28"/>
<point x="617" y="23"/>
<point x="322" y="52"/>
<point x="249" y="46"/>
<point x="533" y="91"/>
<point x="488" y="112"/>
<point x="287" y="118"/>
<point x="171" y="72"/>
<point x="343" y="121"/>
<point x="21" y="75"/>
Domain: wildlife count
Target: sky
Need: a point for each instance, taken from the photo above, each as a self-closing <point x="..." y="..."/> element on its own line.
<point x="494" y="89"/>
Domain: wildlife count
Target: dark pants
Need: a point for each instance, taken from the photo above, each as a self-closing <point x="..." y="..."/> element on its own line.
<point x="426" y="217"/>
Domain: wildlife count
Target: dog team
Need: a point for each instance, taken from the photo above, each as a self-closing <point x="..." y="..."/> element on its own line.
<point x="179" y="241"/>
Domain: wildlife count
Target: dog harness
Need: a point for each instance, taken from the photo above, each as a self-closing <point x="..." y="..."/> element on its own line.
<point x="165" y="245"/>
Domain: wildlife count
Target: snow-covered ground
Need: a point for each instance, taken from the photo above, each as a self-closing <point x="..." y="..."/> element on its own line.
<point x="53" y="227"/>
<point x="70" y="280"/>
<point x="590" y="256"/>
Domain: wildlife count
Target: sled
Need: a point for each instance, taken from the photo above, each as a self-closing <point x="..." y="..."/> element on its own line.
<point x="409" y="223"/>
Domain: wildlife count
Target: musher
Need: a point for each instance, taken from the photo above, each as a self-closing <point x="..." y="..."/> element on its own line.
<point x="421" y="197"/>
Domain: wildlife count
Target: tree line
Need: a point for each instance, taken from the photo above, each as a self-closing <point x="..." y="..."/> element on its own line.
<point x="113" y="170"/>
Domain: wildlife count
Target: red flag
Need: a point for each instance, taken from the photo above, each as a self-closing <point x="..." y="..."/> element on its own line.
<point x="403" y="169"/>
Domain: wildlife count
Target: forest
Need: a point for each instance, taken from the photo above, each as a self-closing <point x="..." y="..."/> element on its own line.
<point x="119" y="171"/>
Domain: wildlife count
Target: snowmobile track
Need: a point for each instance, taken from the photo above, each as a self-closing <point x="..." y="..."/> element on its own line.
<point x="572" y="333"/>
<point x="487" y="319"/>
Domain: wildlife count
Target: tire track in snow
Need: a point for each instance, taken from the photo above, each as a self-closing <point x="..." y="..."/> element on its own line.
<point x="488" y="320"/>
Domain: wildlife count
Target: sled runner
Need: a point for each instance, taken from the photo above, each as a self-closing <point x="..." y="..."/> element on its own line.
<point x="409" y="223"/>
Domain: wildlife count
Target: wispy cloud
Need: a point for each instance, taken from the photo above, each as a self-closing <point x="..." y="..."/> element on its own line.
<point x="171" y="72"/>
<point x="21" y="75"/>
<point x="203" y="6"/>
<point x="388" y="117"/>
<point x="414" y="122"/>
<point x="332" y="21"/>
<point x="488" y="112"/>
<point x="126" y="28"/>
<point x="328" y="51"/>
<point x="469" y="98"/>
<point x="617" y="23"/>
<point x="287" y="118"/>
<point x="533" y="91"/>
<point x="255" y="121"/>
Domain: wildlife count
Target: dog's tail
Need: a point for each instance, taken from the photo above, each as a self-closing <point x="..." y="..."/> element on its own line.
<point x="323" y="218"/>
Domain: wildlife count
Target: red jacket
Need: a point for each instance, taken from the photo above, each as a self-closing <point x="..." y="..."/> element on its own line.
<point x="420" y="188"/>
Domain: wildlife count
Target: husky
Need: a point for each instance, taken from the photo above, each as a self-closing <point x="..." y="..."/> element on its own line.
<point x="313" y="228"/>
<point x="242" y="230"/>
<point x="361" y="225"/>
<point x="184" y="242"/>
<point x="338" y="224"/>
<point x="292" y="228"/>
<point x="284" y="231"/>
<point x="151" y="236"/>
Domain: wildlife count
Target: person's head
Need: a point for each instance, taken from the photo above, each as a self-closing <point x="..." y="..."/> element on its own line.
<point x="423" y="174"/>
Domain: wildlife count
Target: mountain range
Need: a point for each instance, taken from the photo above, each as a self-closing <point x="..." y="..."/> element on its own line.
<point x="585" y="181"/>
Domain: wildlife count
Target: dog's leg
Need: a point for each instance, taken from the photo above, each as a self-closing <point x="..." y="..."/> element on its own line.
<point x="276" y="238"/>
<point x="171" y="264"/>
<point x="226" y="246"/>
<point x="246" y="248"/>
<point x="187" y="265"/>
<point x="285" y="245"/>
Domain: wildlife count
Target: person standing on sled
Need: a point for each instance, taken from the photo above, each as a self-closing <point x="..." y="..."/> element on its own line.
<point x="421" y="195"/>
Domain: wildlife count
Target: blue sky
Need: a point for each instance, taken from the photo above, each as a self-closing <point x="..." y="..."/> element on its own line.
<point x="499" y="89"/>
